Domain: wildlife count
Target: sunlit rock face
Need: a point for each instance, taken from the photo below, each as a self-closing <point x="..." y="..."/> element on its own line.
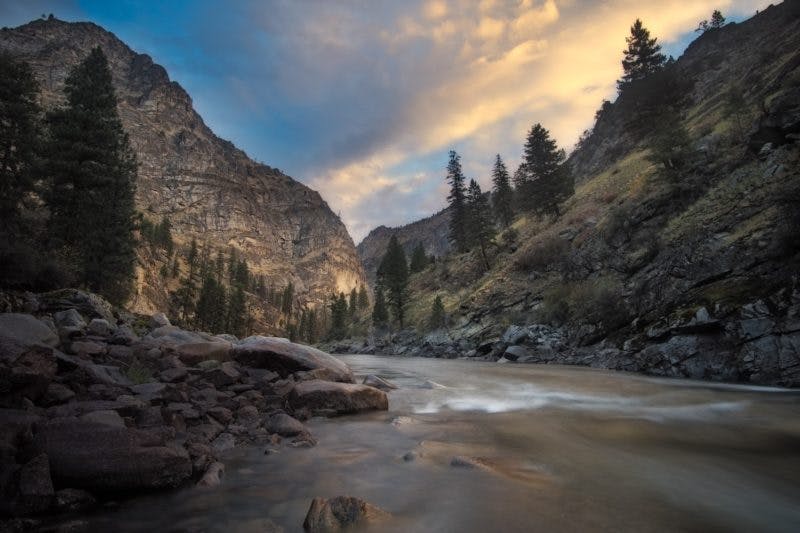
<point x="209" y="189"/>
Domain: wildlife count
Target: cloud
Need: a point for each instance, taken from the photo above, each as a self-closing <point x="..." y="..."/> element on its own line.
<point x="362" y="101"/>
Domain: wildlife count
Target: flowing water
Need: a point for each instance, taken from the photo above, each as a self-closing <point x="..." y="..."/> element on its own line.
<point x="551" y="448"/>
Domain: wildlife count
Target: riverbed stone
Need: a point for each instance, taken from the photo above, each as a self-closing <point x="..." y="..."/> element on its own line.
<point x="379" y="383"/>
<point x="329" y="398"/>
<point x="223" y="443"/>
<point x="341" y="513"/>
<point x="74" y="500"/>
<point x="284" y="425"/>
<point x="20" y="331"/>
<point x="98" y="457"/>
<point x="36" y="492"/>
<point x="193" y="353"/>
<point x="285" y="357"/>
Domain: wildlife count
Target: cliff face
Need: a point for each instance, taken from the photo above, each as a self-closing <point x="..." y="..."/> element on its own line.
<point x="209" y="190"/>
<point x="431" y="232"/>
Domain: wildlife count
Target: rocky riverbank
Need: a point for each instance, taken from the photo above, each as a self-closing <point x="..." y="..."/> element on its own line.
<point x="97" y="404"/>
<point x="758" y="342"/>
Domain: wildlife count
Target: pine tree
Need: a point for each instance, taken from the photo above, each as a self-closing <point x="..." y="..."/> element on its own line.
<point x="237" y="312"/>
<point x="480" y="220"/>
<point x="502" y="194"/>
<point x="642" y="57"/>
<point x="287" y="300"/>
<point x="380" y="315"/>
<point x="351" y="309"/>
<point x="363" y="299"/>
<point x="93" y="171"/>
<point x="19" y="137"/>
<point x="457" y="203"/>
<point x="717" y="20"/>
<point x="418" y="259"/>
<point x="393" y="277"/>
<point x="338" y="308"/>
<point x="437" y="318"/>
<point x="219" y="266"/>
<point x="191" y="258"/>
<point x="542" y="184"/>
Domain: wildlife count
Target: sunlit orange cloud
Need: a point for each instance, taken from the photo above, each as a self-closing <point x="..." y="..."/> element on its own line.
<point x="505" y="66"/>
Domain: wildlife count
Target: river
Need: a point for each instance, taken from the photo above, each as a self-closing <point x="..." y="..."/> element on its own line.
<point x="553" y="449"/>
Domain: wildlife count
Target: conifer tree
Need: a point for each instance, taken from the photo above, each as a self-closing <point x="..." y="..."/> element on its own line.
<point x="480" y="226"/>
<point x="542" y="185"/>
<point x="437" y="318"/>
<point x="287" y="299"/>
<point x="380" y="315"/>
<point x="642" y="57"/>
<point x="351" y="309"/>
<point x="717" y="20"/>
<point x="19" y="136"/>
<point x="93" y="171"/>
<point x="338" y="308"/>
<point x="502" y="194"/>
<point x="219" y="266"/>
<point x="418" y="259"/>
<point x="458" y="205"/>
<point x="210" y="312"/>
<point x="363" y="299"/>
<point x="237" y="312"/>
<point x="393" y="278"/>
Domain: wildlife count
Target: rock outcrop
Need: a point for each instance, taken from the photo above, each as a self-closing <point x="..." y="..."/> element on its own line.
<point x="87" y="413"/>
<point x="209" y="190"/>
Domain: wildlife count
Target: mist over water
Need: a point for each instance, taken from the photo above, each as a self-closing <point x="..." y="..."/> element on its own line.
<point x="553" y="449"/>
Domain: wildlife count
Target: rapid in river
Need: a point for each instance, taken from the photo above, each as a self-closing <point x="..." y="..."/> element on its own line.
<point x="482" y="447"/>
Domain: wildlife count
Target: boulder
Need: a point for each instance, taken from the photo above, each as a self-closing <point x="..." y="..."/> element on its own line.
<point x="516" y="352"/>
<point x="223" y="442"/>
<point x="173" y="375"/>
<point x="514" y="335"/>
<point x="329" y="398"/>
<point x="98" y="457"/>
<point x="107" y="417"/>
<point x="105" y="374"/>
<point x="341" y="513"/>
<point x="379" y="383"/>
<point x="285" y="358"/>
<point x="222" y="376"/>
<point x="87" y="304"/>
<point x="69" y="318"/>
<point x="212" y="476"/>
<point x="284" y="425"/>
<point x="36" y="493"/>
<point x="159" y="320"/>
<point x="193" y="353"/>
<point x="19" y="332"/>
<point x="100" y="327"/>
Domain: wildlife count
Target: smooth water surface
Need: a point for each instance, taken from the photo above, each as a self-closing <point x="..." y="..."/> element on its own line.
<point x="554" y="449"/>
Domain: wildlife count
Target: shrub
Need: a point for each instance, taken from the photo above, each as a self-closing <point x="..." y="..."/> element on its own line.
<point x="544" y="255"/>
<point x="596" y="302"/>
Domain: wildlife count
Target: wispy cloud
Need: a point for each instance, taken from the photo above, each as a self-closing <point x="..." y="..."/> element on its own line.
<point x="362" y="100"/>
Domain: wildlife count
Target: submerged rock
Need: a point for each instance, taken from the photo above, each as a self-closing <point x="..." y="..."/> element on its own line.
<point x="379" y="383"/>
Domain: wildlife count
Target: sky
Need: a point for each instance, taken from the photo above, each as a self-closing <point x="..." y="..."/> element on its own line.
<point x="363" y="99"/>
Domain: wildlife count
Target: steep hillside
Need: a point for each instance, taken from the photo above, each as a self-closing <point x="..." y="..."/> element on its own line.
<point x="431" y="232"/>
<point x="690" y="273"/>
<point x="209" y="190"/>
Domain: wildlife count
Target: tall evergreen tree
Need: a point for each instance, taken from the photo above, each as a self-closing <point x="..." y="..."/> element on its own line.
<point x="717" y="20"/>
<point x="338" y="308"/>
<point x="287" y="300"/>
<point x="380" y="315"/>
<point x="437" y="318"/>
<point x="93" y="171"/>
<point x="352" y="308"/>
<point x="237" y="312"/>
<point x="542" y="185"/>
<point x="502" y="193"/>
<point x="418" y="259"/>
<point x="642" y="57"/>
<point x="363" y="298"/>
<point x="481" y="227"/>
<point x="19" y="136"/>
<point x="393" y="278"/>
<point x="457" y="203"/>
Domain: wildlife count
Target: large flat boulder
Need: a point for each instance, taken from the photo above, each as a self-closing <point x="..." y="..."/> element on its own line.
<point x="19" y="332"/>
<point x="285" y="357"/>
<point x="99" y="457"/>
<point x="330" y="399"/>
